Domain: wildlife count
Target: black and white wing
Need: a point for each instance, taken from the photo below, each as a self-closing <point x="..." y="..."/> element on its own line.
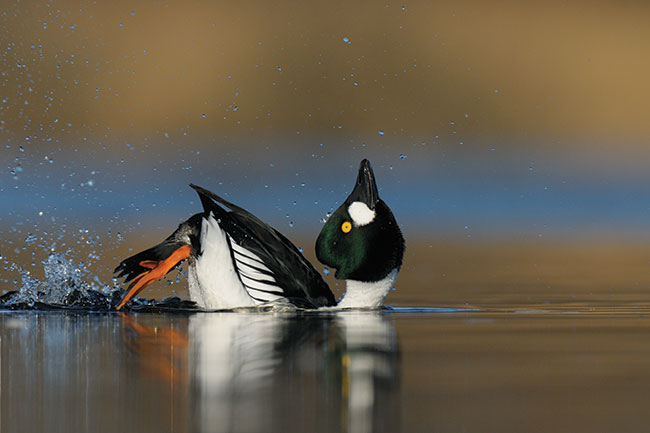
<point x="256" y="277"/>
<point x="269" y="266"/>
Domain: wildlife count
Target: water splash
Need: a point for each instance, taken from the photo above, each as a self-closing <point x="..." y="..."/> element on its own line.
<point x="64" y="284"/>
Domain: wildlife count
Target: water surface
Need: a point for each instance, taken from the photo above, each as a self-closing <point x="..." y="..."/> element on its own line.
<point x="563" y="369"/>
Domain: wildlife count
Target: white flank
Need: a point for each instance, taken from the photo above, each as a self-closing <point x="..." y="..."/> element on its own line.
<point x="361" y="294"/>
<point x="213" y="280"/>
<point x="361" y="214"/>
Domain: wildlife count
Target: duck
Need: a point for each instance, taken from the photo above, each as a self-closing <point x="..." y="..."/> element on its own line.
<point x="236" y="260"/>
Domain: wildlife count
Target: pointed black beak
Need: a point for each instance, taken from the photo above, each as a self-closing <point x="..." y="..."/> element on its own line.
<point x="365" y="189"/>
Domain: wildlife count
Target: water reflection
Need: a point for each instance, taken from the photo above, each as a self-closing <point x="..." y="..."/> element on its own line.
<point x="210" y="372"/>
<point x="263" y="372"/>
<point x="58" y="372"/>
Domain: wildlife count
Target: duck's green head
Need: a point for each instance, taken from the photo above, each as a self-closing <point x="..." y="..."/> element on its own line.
<point x="361" y="240"/>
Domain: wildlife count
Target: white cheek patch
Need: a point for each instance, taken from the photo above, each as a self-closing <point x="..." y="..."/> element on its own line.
<point x="361" y="214"/>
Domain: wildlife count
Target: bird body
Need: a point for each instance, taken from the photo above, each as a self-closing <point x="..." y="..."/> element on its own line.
<point x="236" y="260"/>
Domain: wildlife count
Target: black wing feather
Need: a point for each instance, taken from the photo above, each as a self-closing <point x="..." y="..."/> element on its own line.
<point x="292" y="272"/>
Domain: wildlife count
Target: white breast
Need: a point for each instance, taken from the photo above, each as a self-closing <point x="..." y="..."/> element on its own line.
<point x="362" y="294"/>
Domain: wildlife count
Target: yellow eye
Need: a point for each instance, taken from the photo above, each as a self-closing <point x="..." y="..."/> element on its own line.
<point x="346" y="227"/>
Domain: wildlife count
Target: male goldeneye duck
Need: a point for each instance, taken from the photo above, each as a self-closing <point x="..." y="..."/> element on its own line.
<point x="363" y="242"/>
<point x="236" y="260"/>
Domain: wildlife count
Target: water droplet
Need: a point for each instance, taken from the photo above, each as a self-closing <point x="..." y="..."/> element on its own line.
<point x="347" y="40"/>
<point x="326" y="271"/>
<point x="402" y="156"/>
<point x="203" y="115"/>
<point x="381" y="132"/>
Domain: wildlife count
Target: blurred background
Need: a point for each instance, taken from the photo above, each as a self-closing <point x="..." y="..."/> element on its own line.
<point x="511" y="139"/>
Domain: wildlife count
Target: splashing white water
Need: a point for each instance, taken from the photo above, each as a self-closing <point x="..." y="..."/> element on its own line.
<point x="63" y="279"/>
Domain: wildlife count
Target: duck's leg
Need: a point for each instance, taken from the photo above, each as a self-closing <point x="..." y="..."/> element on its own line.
<point x="158" y="269"/>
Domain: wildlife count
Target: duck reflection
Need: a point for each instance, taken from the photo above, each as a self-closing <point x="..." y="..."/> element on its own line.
<point x="161" y="350"/>
<point x="269" y="372"/>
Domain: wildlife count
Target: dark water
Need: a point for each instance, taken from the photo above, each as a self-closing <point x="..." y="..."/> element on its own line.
<point x="487" y="370"/>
